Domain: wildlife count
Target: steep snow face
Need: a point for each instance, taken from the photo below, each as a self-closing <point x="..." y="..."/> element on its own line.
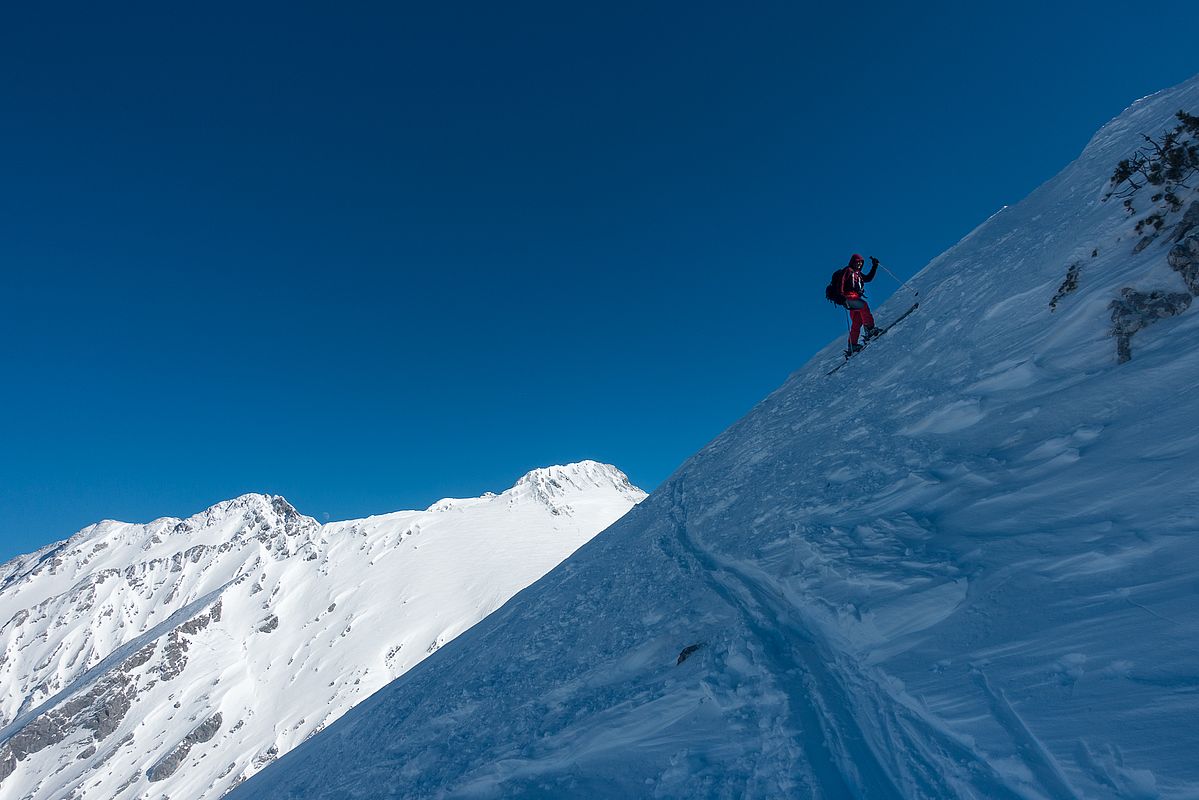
<point x="965" y="565"/>
<point x="179" y="657"/>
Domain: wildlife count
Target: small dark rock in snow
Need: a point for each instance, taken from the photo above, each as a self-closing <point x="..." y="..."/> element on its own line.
<point x="1068" y="285"/>
<point x="688" y="651"/>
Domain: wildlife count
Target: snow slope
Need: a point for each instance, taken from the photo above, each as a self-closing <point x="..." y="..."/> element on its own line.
<point x="965" y="565"/>
<point x="176" y="658"/>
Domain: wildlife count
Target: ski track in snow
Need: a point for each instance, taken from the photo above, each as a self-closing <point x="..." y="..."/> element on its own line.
<point x="840" y="759"/>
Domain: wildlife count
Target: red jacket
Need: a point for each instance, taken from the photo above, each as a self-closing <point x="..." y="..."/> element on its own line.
<point x="853" y="281"/>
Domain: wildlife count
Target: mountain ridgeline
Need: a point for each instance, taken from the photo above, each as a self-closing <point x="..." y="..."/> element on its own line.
<point x="175" y="659"/>
<point x="964" y="565"/>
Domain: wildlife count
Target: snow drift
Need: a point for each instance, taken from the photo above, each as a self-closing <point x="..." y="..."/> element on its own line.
<point x="965" y="565"/>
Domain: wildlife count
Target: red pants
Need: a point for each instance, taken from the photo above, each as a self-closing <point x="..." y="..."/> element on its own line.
<point x="859" y="316"/>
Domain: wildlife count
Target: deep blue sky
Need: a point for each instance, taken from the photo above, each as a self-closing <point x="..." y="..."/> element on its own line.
<point x="369" y="255"/>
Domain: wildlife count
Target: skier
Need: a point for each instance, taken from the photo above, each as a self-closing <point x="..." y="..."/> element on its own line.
<point x="853" y="289"/>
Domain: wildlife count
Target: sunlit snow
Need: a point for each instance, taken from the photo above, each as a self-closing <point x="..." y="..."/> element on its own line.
<point x="176" y="658"/>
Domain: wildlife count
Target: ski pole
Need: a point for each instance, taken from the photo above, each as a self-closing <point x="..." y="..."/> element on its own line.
<point x="892" y="274"/>
<point x="915" y="292"/>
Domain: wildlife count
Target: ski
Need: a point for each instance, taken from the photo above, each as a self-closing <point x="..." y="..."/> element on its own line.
<point x="891" y="325"/>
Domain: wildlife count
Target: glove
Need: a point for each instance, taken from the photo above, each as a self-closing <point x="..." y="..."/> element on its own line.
<point x="873" y="261"/>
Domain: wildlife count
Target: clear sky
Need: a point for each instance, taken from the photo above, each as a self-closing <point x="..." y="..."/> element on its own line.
<point x="367" y="255"/>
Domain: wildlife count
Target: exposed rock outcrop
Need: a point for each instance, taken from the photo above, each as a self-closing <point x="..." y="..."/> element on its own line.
<point x="175" y="651"/>
<point x="1135" y="310"/>
<point x="100" y="709"/>
<point x="1184" y="258"/>
<point x="1188" y="223"/>
<point x="1069" y="284"/>
<point x="167" y="766"/>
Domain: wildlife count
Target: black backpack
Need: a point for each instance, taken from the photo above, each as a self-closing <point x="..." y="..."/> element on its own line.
<point x="832" y="292"/>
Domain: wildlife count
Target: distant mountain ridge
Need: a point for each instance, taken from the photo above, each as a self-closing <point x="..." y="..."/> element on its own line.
<point x="180" y="656"/>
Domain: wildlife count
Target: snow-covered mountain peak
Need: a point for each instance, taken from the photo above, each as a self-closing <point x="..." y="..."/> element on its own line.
<point x="177" y="657"/>
<point x="110" y="544"/>
<point x="273" y="510"/>
<point x="551" y="485"/>
<point x="556" y="488"/>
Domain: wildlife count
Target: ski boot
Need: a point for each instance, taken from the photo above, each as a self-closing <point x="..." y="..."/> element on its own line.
<point x="872" y="332"/>
<point x="853" y="349"/>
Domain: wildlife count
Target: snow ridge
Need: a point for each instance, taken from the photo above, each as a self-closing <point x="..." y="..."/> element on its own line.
<point x="181" y="656"/>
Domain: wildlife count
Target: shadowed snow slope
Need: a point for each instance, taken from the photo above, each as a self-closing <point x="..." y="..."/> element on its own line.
<point x="965" y="565"/>
<point x="176" y="658"/>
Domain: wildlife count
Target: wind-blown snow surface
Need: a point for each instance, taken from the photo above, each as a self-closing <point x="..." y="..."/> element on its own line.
<point x="966" y="565"/>
<point x="176" y="658"/>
